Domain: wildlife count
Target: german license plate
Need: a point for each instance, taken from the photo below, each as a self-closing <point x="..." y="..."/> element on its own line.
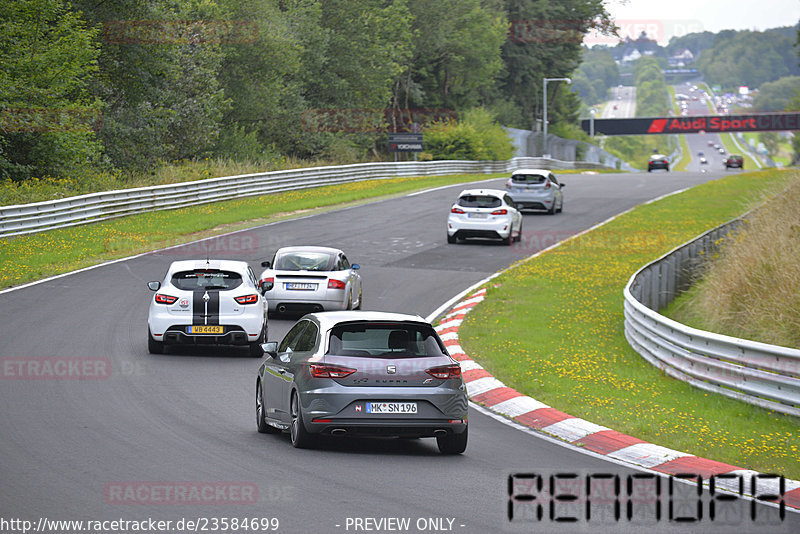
<point x="391" y="407"/>
<point x="298" y="286"/>
<point x="477" y="215"/>
<point x="205" y="329"/>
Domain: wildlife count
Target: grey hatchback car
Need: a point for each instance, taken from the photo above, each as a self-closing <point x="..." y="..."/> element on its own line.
<point x="346" y="373"/>
<point x="537" y="189"/>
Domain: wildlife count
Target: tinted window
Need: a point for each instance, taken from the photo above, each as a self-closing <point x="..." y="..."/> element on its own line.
<point x="206" y="279"/>
<point x="290" y="339"/>
<point x="385" y="340"/>
<point x="307" y="339"/>
<point x="528" y="178"/>
<point x="479" y="201"/>
<point x="304" y="261"/>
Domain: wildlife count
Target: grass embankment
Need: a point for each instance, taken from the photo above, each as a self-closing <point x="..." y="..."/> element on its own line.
<point x="751" y="288"/>
<point x="553" y="328"/>
<point x="34" y="256"/>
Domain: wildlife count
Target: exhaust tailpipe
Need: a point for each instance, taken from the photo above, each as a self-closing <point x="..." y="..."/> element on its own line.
<point x="440" y="433"/>
<point x="338" y="432"/>
<point x="282" y="308"/>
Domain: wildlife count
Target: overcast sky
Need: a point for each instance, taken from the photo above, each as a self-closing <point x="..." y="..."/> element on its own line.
<point x="668" y="18"/>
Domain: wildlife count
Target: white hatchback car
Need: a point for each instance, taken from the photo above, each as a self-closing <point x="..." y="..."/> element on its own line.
<point x="537" y="189"/>
<point x="489" y="213"/>
<point x="311" y="279"/>
<point x="207" y="302"/>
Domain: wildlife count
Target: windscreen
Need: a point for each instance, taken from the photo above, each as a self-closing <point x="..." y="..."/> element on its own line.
<point x="479" y="201"/>
<point x="304" y="261"/>
<point x="206" y="279"/>
<point x="385" y="340"/>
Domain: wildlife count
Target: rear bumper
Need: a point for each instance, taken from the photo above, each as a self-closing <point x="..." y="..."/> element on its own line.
<point x="497" y="229"/>
<point x="234" y="335"/>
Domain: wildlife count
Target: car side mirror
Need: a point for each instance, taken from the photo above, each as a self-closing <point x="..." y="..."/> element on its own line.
<point x="265" y="285"/>
<point x="265" y="264"/>
<point x="154" y="286"/>
<point x="270" y="348"/>
<point x="561" y="185"/>
<point x="355" y="266"/>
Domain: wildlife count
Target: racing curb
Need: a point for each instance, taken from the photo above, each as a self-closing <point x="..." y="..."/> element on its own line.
<point x="486" y="390"/>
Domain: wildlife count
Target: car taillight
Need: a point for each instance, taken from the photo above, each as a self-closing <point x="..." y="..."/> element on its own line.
<point x="508" y="184"/>
<point x="267" y="283"/>
<point x="445" y="371"/>
<point x="319" y="370"/>
<point x="247" y="299"/>
<point x="165" y="299"/>
<point x="336" y="284"/>
<point x="456" y="210"/>
<point x="547" y="184"/>
<point x="500" y="212"/>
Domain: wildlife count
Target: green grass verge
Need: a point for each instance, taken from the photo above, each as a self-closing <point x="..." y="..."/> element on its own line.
<point x="553" y="328"/>
<point x="686" y="156"/>
<point x="34" y="256"/>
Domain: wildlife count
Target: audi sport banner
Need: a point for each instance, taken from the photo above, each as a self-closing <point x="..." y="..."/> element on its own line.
<point x="697" y="124"/>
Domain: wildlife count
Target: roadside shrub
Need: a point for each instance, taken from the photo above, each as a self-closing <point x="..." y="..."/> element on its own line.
<point x="476" y="136"/>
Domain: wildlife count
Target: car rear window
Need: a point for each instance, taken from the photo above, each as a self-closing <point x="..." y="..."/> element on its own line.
<point x="206" y="279"/>
<point x="528" y="179"/>
<point x="384" y="340"/>
<point x="479" y="201"/>
<point x="304" y="261"/>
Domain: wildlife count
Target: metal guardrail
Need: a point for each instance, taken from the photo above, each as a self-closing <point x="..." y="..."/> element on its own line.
<point x="73" y="211"/>
<point x="757" y="373"/>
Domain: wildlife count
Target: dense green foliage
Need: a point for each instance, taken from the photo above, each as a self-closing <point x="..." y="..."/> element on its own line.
<point x="258" y="80"/>
<point x="777" y="95"/>
<point x="597" y="73"/>
<point x="475" y="137"/>
<point x="748" y="58"/>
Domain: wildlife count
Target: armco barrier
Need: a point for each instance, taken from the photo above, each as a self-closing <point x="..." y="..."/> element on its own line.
<point x="72" y="211"/>
<point x="758" y="373"/>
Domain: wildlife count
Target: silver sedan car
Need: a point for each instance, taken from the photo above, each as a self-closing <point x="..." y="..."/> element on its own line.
<point x="309" y="279"/>
<point x="362" y="373"/>
<point x="537" y="189"/>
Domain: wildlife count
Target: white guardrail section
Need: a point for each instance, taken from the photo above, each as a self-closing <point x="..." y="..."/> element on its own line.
<point x="72" y="211"/>
<point x="758" y="373"/>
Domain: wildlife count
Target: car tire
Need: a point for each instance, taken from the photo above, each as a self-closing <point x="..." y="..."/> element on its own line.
<point x="552" y="209"/>
<point x="561" y="206"/>
<point x="649" y="169"/>
<point x="300" y="437"/>
<point x="519" y="234"/>
<point x="153" y="346"/>
<point x="360" y="297"/>
<point x="261" y="422"/>
<point x="451" y="239"/>
<point x="255" y="347"/>
<point x="453" y="443"/>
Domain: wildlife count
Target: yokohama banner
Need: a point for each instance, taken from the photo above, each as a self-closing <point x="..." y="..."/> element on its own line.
<point x="697" y="124"/>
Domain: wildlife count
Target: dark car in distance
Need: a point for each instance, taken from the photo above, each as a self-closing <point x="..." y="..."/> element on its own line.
<point x="657" y="161"/>
<point x="734" y="161"/>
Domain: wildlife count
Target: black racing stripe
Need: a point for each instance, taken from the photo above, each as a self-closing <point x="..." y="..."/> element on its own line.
<point x="213" y="307"/>
<point x="198" y="306"/>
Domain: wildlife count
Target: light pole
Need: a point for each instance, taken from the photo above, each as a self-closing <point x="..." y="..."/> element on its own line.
<point x="591" y="122"/>
<point x="544" y="112"/>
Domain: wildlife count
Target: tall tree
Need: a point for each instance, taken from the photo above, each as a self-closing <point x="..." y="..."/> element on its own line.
<point x="159" y="78"/>
<point x="46" y="112"/>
